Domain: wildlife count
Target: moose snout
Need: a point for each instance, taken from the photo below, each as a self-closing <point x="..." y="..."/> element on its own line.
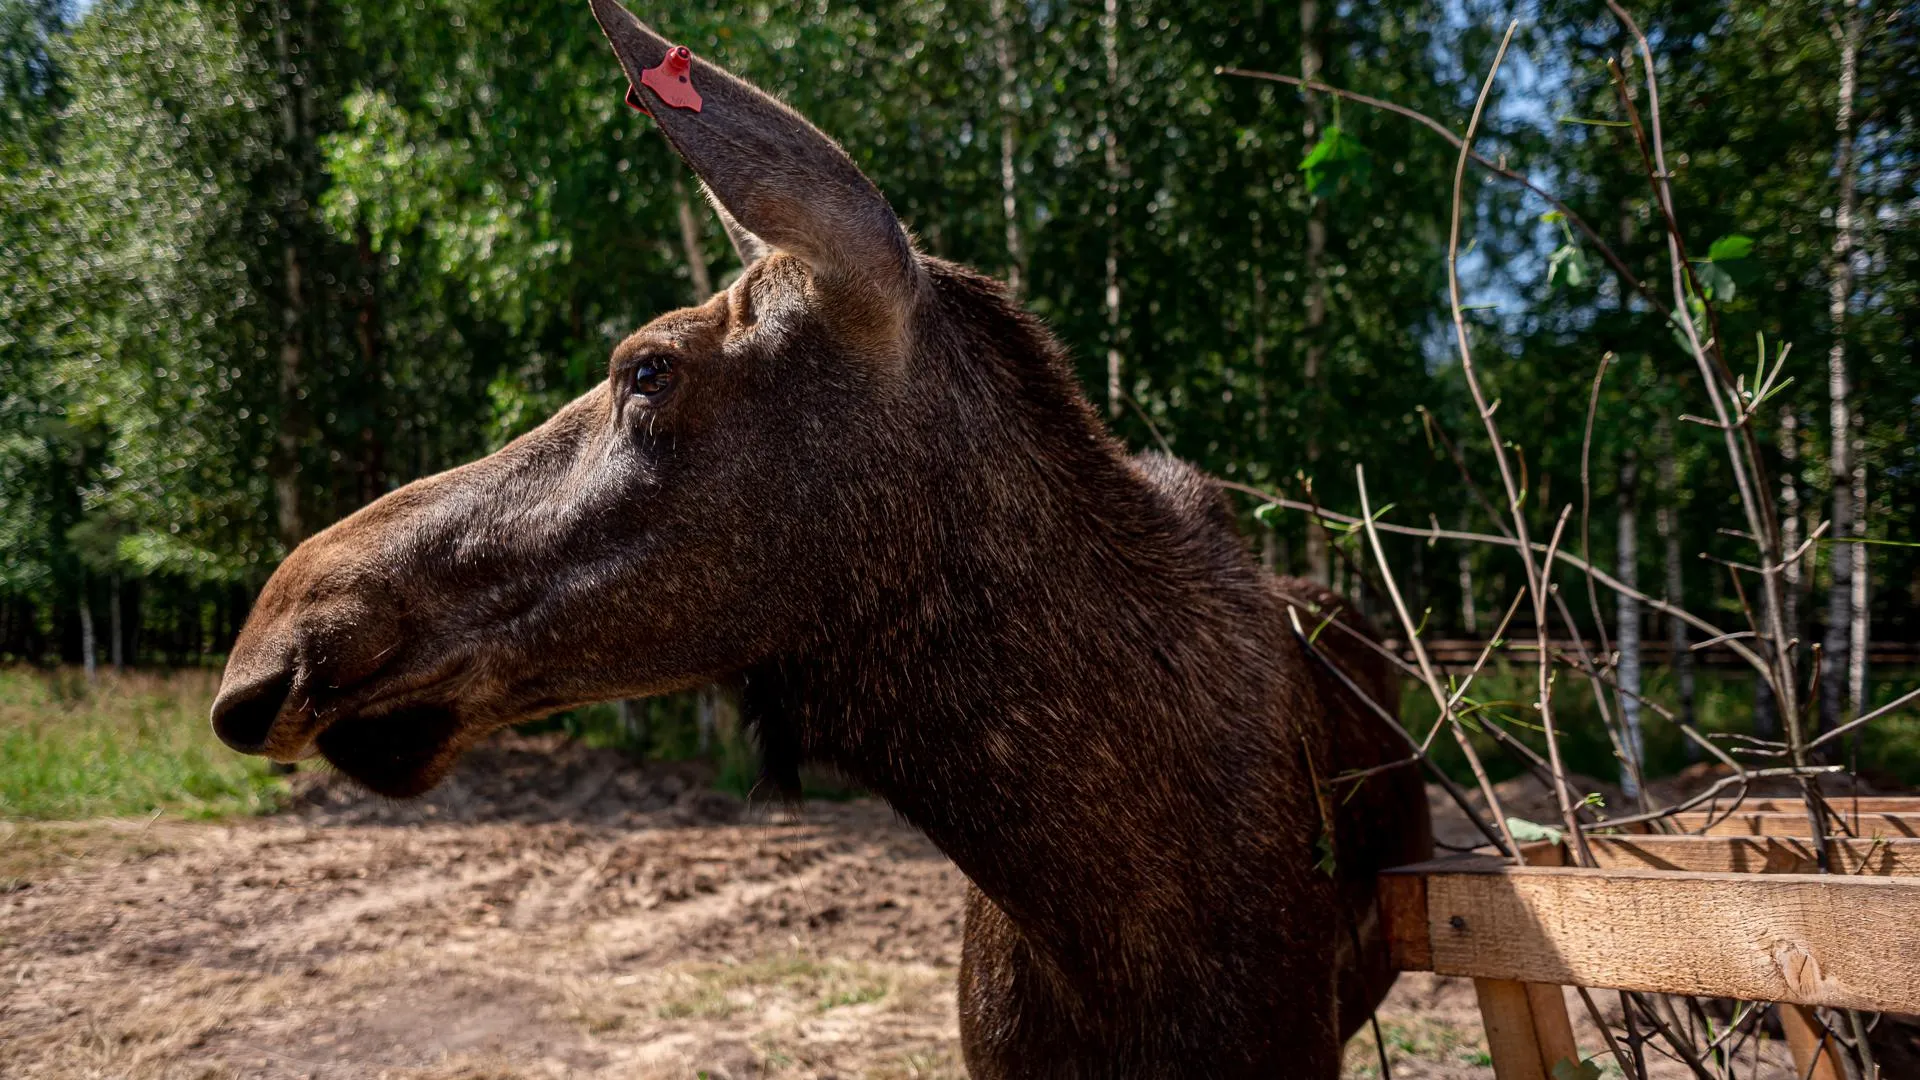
<point x="244" y="713"/>
<point x="322" y="625"/>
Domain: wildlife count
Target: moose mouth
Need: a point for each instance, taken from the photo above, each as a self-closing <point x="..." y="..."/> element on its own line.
<point x="399" y="754"/>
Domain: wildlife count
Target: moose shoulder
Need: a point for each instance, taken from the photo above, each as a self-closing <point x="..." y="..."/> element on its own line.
<point x="864" y="487"/>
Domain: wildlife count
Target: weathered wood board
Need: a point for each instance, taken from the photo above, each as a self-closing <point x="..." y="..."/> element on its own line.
<point x="1866" y="824"/>
<point x="1832" y="940"/>
<point x="1755" y="854"/>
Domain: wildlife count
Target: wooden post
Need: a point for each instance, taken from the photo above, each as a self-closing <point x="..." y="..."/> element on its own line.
<point x="1808" y="1039"/>
<point x="1528" y="1030"/>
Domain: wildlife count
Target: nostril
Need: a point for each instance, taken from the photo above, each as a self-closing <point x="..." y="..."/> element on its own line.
<point x="243" y="717"/>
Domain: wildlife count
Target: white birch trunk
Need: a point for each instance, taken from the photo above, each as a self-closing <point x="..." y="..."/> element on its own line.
<point x="117" y="644"/>
<point x="1668" y="523"/>
<point x="1318" y="557"/>
<point x="1834" y="659"/>
<point x="706" y="718"/>
<point x="1110" y="142"/>
<point x="1469" y="614"/>
<point x="291" y="515"/>
<point x="1857" y="636"/>
<point x="1627" y="615"/>
<point x="89" y="658"/>
<point x="633" y="723"/>
<point x="1009" y="139"/>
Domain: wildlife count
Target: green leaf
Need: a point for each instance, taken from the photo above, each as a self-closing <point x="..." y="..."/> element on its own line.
<point x="1732" y="246"/>
<point x="1529" y="831"/>
<point x="1568" y="264"/>
<point x="1568" y="1069"/>
<point x="1337" y="157"/>
<point x="1718" y="284"/>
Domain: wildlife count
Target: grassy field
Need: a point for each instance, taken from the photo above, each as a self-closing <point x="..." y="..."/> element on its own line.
<point x="122" y="746"/>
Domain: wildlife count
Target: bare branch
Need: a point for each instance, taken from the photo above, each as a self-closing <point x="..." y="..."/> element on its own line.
<point x="1859" y="722"/>
<point x="1688" y="617"/>
<point x="1427" y="675"/>
<point x="1497" y="839"/>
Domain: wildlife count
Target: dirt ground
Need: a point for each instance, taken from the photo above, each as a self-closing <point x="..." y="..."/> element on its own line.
<point x="553" y="911"/>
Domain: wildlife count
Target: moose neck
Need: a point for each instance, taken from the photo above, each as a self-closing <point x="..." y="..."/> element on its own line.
<point x="1065" y="679"/>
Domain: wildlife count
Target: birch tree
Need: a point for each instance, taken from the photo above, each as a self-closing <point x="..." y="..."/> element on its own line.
<point x="1838" y="644"/>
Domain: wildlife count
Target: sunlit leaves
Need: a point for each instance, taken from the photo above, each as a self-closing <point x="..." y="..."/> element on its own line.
<point x="1336" y="161"/>
<point x="1717" y="279"/>
<point x="1729" y="248"/>
<point x="1567" y="263"/>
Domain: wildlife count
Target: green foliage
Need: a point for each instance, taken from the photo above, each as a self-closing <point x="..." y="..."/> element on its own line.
<point x="1528" y="832"/>
<point x="1336" y="160"/>
<point x="1567" y="1069"/>
<point x="1729" y="248"/>
<point x="261" y="264"/>
<point x="127" y="746"/>
<point x="1567" y="263"/>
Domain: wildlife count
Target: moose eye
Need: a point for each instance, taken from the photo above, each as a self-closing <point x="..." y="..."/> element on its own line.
<point x="652" y="376"/>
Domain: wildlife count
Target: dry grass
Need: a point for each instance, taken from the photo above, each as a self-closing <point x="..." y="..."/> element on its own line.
<point x="721" y="991"/>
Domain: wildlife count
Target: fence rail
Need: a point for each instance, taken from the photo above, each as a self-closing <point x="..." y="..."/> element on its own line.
<point x="1717" y="915"/>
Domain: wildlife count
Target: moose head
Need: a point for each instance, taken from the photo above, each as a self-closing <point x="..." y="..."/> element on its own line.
<point x="865" y="487"/>
<point x="751" y="473"/>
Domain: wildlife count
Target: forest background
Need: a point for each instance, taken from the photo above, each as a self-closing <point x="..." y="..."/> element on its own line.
<point x="261" y="262"/>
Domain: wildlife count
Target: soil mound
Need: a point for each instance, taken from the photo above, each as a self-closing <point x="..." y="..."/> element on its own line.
<point x="530" y="780"/>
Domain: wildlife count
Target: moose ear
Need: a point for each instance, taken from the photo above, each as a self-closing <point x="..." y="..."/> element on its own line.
<point x="777" y="181"/>
<point x="746" y="245"/>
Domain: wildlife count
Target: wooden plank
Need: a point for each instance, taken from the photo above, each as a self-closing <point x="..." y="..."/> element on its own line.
<point x="1845" y="804"/>
<point x="1842" y="942"/>
<point x="1807" y="1039"/>
<point x="1552" y="1027"/>
<point x="1527" y="1028"/>
<point x="1867" y="824"/>
<point x="1755" y="854"/>
<point x="1508" y="1020"/>
<point x="1403" y="916"/>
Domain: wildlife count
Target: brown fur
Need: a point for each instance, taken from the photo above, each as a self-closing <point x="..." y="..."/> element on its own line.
<point x="899" y="528"/>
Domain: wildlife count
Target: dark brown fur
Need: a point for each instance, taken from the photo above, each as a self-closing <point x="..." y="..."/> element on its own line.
<point x="876" y="500"/>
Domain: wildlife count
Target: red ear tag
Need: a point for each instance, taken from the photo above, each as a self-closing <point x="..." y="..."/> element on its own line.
<point x="672" y="80"/>
<point x="634" y="102"/>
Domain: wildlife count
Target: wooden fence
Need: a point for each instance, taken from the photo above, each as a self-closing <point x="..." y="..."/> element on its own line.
<point x="1734" y="913"/>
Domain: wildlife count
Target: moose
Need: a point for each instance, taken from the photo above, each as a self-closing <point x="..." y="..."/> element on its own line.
<point x="863" y="486"/>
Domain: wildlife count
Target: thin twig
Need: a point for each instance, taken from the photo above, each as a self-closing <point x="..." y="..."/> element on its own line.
<point x="1499" y="633"/>
<point x="1599" y="244"/>
<point x="1613" y="1046"/>
<point x="1570" y="559"/>
<point x="1720" y="785"/>
<point x="1622" y="739"/>
<point x="1466" y="476"/>
<point x="1535" y="581"/>
<point x="1859" y="722"/>
<point x="1446" y="782"/>
<point x="1743" y="450"/>
<point x="1427" y="675"/>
